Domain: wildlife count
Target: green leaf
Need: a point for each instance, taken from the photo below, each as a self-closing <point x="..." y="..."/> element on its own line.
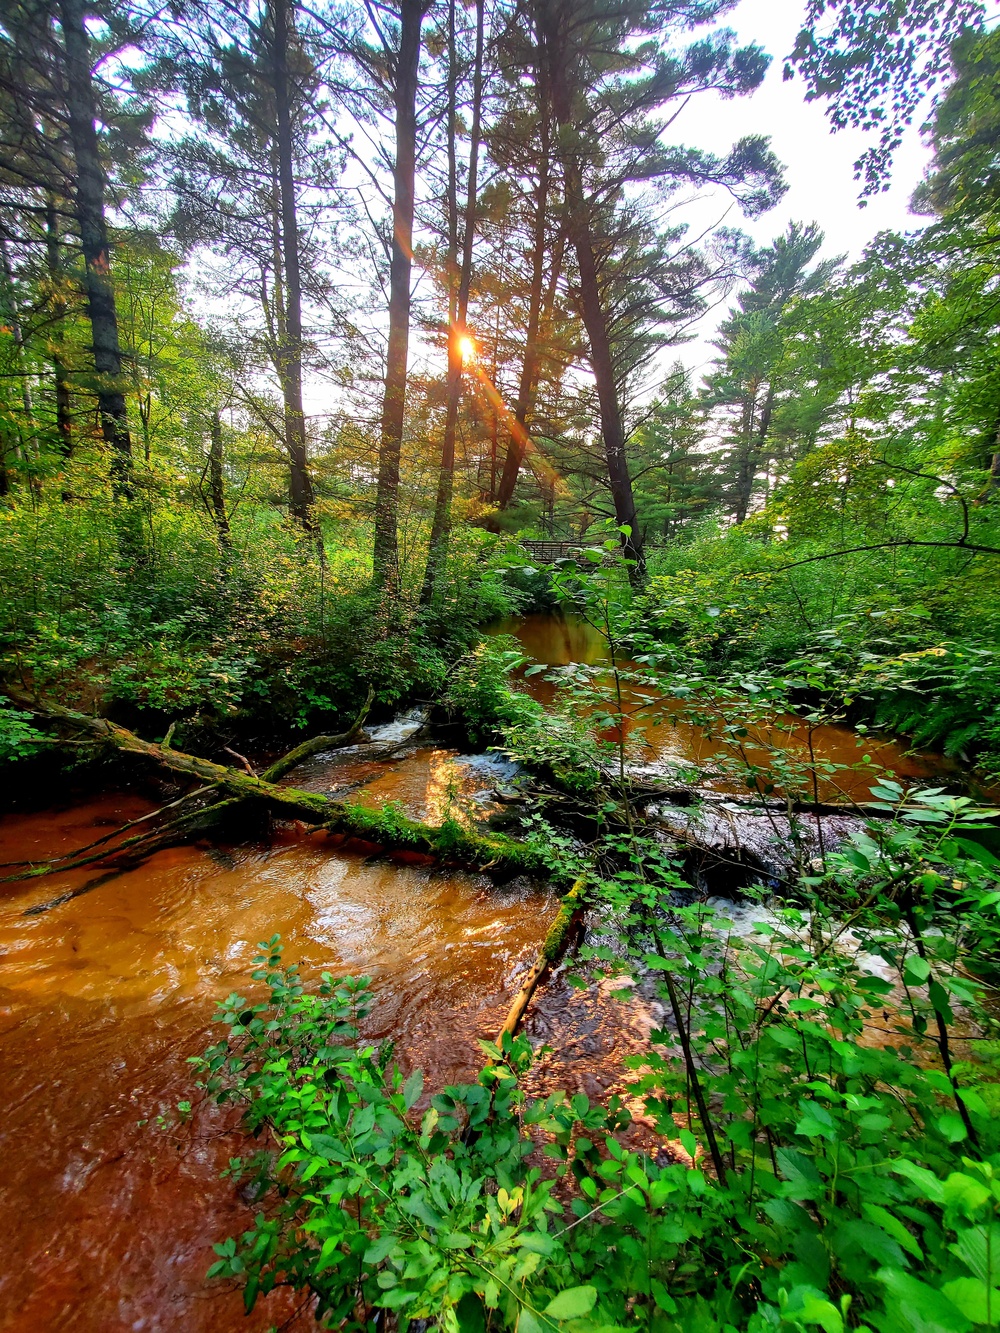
<point x="573" y="1303"/>
<point x="917" y="970"/>
<point x="930" y="1187"/>
<point x="412" y="1088"/>
<point x="456" y="1240"/>
<point x="377" y="1250"/>
<point x="977" y="1302"/>
<point x="924" y="1309"/>
<point x="979" y="1249"/>
<point x="527" y="1323"/>
<point x="952" y="1127"/>
<point x="893" y="1226"/>
<point x="536" y="1241"/>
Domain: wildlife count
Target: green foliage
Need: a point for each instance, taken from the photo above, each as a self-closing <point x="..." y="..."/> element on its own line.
<point x="480" y="693"/>
<point x="831" y="1179"/>
<point x="370" y="1203"/>
<point x="220" y="638"/>
<point x="19" y="739"/>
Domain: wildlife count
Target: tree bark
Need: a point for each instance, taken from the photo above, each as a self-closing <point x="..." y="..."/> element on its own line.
<point x="64" y="421"/>
<point x="441" y="524"/>
<point x="602" y="365"/>
<point x="580" y="228"/>
<point x="751" y="455"/>
<point x="517" y="440"/>
<point x="406" y="69"/>
<point x="216" y="488"/>
<point x="90" y="183"/>
<point x="300" y="491"/>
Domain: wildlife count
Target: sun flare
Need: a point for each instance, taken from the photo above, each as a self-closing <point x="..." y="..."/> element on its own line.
<point x="466" y="349"/>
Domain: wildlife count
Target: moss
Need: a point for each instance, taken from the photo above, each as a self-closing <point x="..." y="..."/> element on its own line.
<point x="390" y="827"/>
<point x="555" y="939"/>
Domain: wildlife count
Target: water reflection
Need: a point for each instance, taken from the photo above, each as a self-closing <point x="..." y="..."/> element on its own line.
<point x="665" y="741"/>
<point x="103" y="999"/>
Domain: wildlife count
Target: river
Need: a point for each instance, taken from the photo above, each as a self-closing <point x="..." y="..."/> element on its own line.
<point x="110" y="1218"/>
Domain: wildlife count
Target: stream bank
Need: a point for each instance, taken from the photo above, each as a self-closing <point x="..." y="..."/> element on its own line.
<point x="103" y="999"/>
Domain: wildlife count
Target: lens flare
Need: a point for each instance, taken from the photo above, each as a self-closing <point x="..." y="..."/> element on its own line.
<point x="466" y="349"/>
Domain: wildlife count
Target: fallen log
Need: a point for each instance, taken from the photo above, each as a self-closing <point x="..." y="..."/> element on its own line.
<point x="386" y="826"/>
<point x="556" y="938"/>
<point x="319" y="743"/>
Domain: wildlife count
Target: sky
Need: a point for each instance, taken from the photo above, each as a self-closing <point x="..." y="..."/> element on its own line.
<point x="819" y="164"/>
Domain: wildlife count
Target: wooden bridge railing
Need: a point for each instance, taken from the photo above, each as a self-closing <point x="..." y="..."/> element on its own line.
<point x="545" y="552"/>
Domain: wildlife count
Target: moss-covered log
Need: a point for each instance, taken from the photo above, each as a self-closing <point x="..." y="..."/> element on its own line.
<point x="388" y="826"/>
<point x="318" y="744"/>
<point x="553" y="946"/>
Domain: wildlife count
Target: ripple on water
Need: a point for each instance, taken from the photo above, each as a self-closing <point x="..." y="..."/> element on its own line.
<point x="104" y="998"/>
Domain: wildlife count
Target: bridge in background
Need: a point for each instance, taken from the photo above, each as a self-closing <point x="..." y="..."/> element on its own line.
<point x="546" y="552"/>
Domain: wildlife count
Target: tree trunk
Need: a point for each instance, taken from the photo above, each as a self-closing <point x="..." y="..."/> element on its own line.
<point x="300" y="492"/>
<point x="518" y="438"/>
<point x="407" y="64"/>
<point x="82" y="111"/>
<point x="64" y="425"/>
<point x="216" y="489"/>
<point x="751" y="453"/>
<point x="17" y="334"/>
<point x="602" y="365"/>
<point x="441" y="525"/>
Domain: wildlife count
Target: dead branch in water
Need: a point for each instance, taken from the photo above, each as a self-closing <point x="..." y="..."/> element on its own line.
<point x="556" y="938"/>
<point x="319" y="743"/>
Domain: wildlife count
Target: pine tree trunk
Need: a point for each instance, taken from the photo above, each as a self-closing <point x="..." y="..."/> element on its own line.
<point x="300" y="492"/>
<point x="64" y="426"/>
<point x="82" y="111"/>
<point x="751" y="454"/>
<point x="602" y="365"/>
<point x="407" y="64"/>
<point x="441" y="524"/>
<point x="529" y="367"/>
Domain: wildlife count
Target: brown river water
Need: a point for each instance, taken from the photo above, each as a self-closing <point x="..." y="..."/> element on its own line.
<point x="109" y="1218"/>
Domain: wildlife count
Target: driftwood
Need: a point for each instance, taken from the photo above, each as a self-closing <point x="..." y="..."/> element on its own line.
<point x="145" y="843"/>
<point x="387" y="827"/>
<point x="124" y="858"/>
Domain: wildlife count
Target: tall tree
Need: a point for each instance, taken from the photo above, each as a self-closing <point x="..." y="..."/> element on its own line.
<point x="401" y="63"/>
<point x="611" y="112"/>
<point x="249" y="80"/>
<point x="300" y="492"/>
<point x="751" y="340"/>
<point x="523" y="143"/>
<point x="459" y="342"/>
<point x="89" y="200"/>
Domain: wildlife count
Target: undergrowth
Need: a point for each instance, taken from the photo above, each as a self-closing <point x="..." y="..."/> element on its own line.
<point x="841" y="1165"/>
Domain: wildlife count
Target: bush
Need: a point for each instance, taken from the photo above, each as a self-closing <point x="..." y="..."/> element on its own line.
<point x="827" y="1180"/>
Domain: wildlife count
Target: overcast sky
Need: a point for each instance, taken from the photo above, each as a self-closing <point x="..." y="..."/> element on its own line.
<point x="819" y="164"/>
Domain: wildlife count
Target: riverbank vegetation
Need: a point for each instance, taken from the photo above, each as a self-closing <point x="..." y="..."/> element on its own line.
<point x="331" y="336"/>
